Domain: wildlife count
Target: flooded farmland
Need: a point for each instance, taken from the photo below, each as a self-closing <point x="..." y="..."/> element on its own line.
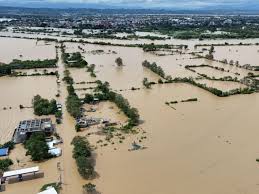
<point x="190" y="147"/>
<point x="25" y="50"/>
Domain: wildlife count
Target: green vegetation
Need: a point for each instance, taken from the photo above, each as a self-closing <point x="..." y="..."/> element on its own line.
<point x="156" y="47"/>
<point x="119" y="61"/>
<point x="146" y="83"/>
<point x="119" y="100"/>
<point x="155" y="68"/>
<point x="5" y="163"/>
<point x="37" y="147"/>
<point x="67" y="77"/>
<point x="214" y="91"/>
<point x="74" y="60"/>
<point x="6" y="69"/>
<point x="103" y="92"/>
<point x="73" y="103"/>
<point x="16" y="74"/>
<point x="89" y="188"/>
<point x="30" y="64"/>
<point x="82" y="155"/>
<point x="187" y="100"/>
<point x="9" y="145"/>
<point x="90" y="69"/>
<point x="205" y="32"/>
<point x="56" y="186"/>
<point x="43" y="106"/>
<point x="190" y="100"/>
<point x="160" y="81"/>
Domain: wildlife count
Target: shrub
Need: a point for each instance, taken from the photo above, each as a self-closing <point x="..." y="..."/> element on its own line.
<point x="5" y="163"/>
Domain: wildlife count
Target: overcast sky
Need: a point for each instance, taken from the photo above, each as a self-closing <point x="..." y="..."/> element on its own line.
<point x="183" y="4"/>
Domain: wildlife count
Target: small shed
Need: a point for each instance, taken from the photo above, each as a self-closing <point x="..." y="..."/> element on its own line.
<point x="4" y="152"/>
<point x="55" y="152"/>
<point x="49" y="190"/>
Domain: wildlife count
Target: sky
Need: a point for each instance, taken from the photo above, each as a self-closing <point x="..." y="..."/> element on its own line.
<point x="165" y="4"/>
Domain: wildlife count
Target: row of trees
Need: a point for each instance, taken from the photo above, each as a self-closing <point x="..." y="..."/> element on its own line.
<point x="6" y="69"/>
<point x="67" y="77"/>
<point x="214" y="91"/>
<point x="103" y="92"/>
<point x="73" y="102"/>
<point x="32" y="64"/>
<point x="154" y="67"/>
<point x="82" y="154"/>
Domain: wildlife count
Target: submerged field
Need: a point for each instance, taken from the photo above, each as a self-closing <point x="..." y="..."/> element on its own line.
<point x="206" y="146"/>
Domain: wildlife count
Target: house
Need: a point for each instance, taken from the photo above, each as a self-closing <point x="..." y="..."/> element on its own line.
<point x="21" y="173"/>
<point x="86" y="122"/>
<point x="49" y="190"/>
<point x="27" y="127"/>
<point x="54" y="151"/>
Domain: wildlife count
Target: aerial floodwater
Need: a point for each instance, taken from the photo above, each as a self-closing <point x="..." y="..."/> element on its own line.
<point x="96" y="106"/>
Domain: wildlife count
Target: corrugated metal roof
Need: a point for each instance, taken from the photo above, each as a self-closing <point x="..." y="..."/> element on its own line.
<point x="4" y="151"/>
<point x="49" y="191"/>
<point x="20" y="171"/>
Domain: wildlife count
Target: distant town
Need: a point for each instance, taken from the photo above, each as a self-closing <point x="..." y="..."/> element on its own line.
<point x="182" y="26"/>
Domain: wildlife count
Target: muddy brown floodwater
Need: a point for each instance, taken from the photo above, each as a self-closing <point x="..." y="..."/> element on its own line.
<point x="208" y="146"/>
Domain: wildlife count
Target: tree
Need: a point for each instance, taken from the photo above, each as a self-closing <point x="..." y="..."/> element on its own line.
<point x="89" y="188"/>
<point x="5" y="163"/>
<point x="119" y="61"/>
<point x="43" y="106"/>
<point x="146" y="83"/>
<point x="160" y="81"/>
<point x="88" y="98"/>
<point x="37" y="147"/>
<point x="211" y="49"/>
<point x="209" y="56"/>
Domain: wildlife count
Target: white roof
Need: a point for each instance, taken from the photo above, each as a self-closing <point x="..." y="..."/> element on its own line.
<point x="21" y="171"/>
<point x="51" y="145"/>
<point x="55" y="151"/>
<point x="51" y="190"/>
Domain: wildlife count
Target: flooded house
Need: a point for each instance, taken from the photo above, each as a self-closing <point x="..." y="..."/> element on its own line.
<point x="28" y="127"/>
<point x="86" y="122"/>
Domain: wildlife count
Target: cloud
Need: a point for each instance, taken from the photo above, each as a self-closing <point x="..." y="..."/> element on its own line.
<point x="143" y="3"/>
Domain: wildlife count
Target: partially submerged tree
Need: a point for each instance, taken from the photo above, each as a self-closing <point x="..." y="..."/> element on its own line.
<point x="146" y="83"/>
<point x="89" y="188"/>
<point x="119" y="61"/>
<point x="43" y="106"/>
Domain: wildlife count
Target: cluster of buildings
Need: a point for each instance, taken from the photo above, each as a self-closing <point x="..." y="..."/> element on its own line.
<point x="126" y="21"/>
